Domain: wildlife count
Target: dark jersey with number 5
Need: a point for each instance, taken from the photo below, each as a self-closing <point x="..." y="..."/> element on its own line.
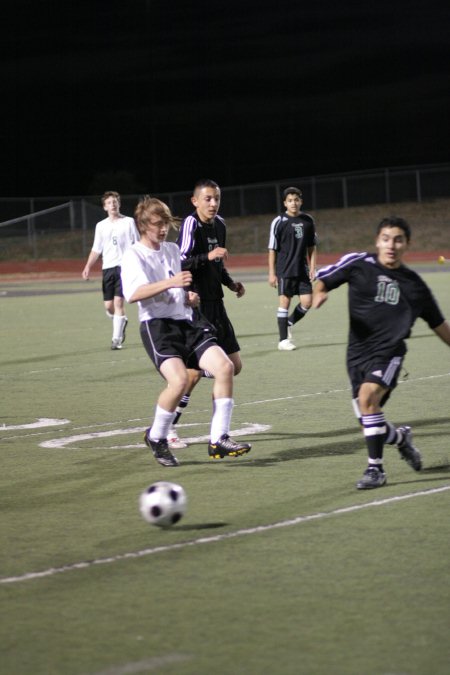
<point x="384" y="303"/>
<point x="291" y="237"/>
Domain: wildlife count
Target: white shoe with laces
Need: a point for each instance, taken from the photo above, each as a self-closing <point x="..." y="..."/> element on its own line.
<point x="173" y="440"/>
<point x="286" y="345"/>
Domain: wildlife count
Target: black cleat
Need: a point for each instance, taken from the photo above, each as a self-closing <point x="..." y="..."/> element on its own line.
<point x="372" y="478"/>
<point x="161" y="451"/>
<point x="226" y="447"/>
<point x="407" y="451"/>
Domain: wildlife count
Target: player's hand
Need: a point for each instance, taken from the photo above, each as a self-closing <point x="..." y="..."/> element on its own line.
<point x="273" y="281"/>
<point x="239" y="289"/>
<point x="181" y="279"/>
<point x="192" y="299"/>
<point x="218" y="253"/>
<point x="85" y="274"/>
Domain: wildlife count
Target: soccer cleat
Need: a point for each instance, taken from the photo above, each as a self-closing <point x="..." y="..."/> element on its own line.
<point x="286" y="345"/>
<point x="407" y="451"/>
<point x="116" y="343"/>
<point x="372" y="478"/>
<point x="226" y="447"/>
<point x="173" y="440"/>
<point x="161" y="451"/>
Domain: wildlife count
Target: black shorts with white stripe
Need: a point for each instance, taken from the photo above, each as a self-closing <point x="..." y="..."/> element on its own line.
<point x="170" y="338"/>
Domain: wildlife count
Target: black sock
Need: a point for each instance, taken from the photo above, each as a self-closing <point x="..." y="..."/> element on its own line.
<point x="298" y="313"/>
<point x="180" y="407"/>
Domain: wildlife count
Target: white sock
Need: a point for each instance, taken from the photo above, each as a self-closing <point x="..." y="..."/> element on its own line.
<point x="119" y="322"/>
<point x="221" y="419"/>
<point x="161" y="423"/>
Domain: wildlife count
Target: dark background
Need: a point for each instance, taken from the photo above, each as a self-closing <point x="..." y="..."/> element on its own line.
<point x="149" y="95"/>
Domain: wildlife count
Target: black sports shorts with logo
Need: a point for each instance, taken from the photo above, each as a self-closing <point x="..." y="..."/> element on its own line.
<point x="384" y="371"/>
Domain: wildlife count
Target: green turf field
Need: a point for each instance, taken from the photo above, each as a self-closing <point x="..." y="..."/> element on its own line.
<point x="279" y="566"/>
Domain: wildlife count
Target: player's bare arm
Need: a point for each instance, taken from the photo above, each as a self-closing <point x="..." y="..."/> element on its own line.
<point x="273" y="281"/>
<point x="92" y="259"/>
<point x="179" y="280"/>
<point x="312" y="255"/>
<point x="320" y="294"/>
<point x="443" y="331"/>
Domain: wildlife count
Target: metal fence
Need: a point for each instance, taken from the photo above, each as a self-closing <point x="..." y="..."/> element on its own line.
<point x="30" y="221"/>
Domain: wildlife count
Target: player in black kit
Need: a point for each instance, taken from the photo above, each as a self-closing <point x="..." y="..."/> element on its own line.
<point x="202" y="242"/>
<point x="385" y="299"/>
<point x="292" y="263"/>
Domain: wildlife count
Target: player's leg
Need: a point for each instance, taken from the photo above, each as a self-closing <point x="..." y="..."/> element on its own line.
<point x="174" y="372"/>
<point x="120" y="321"/>
<point x="303" y="288"/>
<point x="300" y="310"/>
<point x="174" y="441"/>
<point x="373" y="393"/>
<point x="108" y="292"/>
<point x="221" y="445"/>
<point x="284" y="300"/>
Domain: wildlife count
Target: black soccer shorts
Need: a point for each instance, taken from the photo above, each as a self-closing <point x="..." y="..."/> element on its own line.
<point x="171" y="338"/>
<point x="292" y="286"/>
<point x="112" y="283"/>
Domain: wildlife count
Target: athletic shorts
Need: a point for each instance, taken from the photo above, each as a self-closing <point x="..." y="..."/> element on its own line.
<point x="291" y="286"/>
<point x="112" y="283"/>
<point x="384" y="372"/>
<point x="214" y="311"/>
<point x="170" y="338"/>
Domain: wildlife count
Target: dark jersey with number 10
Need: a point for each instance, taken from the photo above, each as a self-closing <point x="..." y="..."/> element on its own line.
<point x="384" y="303"/>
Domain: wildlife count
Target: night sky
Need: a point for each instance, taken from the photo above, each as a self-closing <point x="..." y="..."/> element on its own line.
<point x="153" y="94"/>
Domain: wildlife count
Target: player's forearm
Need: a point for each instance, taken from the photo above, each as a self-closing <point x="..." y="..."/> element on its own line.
<point x="147" y="291"/>
<point x="272" y="262"/>
<point x="443" y="331"/>
<point x="320" y="294"/>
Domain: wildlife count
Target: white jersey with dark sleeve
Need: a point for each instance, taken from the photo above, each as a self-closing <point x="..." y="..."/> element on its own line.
<point x="142" y="265"/>
<point x="384" y="304"/>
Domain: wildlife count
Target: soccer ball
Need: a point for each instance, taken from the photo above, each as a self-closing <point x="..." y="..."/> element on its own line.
<point x="163" y="504"/>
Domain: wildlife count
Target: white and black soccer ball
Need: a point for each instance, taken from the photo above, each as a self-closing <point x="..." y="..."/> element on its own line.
<point x="163" y="504"/>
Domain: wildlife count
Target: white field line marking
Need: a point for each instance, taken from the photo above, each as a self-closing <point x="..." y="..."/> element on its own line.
<point x="59" y="443"/>
<point x="44" y="422"/>
<point x="40" y="422"/>
<point x="220" y="537"/>
<point x="155" y="663"/>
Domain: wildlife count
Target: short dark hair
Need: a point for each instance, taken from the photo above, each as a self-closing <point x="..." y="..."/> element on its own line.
<point x="110" y="193"/>
<point x="395" y="221"/>
<point x="205" y="182"/>
<point x="292" y="191"/>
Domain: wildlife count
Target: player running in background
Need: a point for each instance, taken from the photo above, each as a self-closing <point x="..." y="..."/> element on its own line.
<point x="113" y="236"/>
<point x="292" y="263"/>
<point x="202" y="242"/>
<point x="173" y="338"/>
<point x="385" y="299"/>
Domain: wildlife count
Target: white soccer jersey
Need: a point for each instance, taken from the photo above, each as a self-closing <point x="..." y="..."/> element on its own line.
<point x="112" y="238"/>
<point x="142" y="265"/>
